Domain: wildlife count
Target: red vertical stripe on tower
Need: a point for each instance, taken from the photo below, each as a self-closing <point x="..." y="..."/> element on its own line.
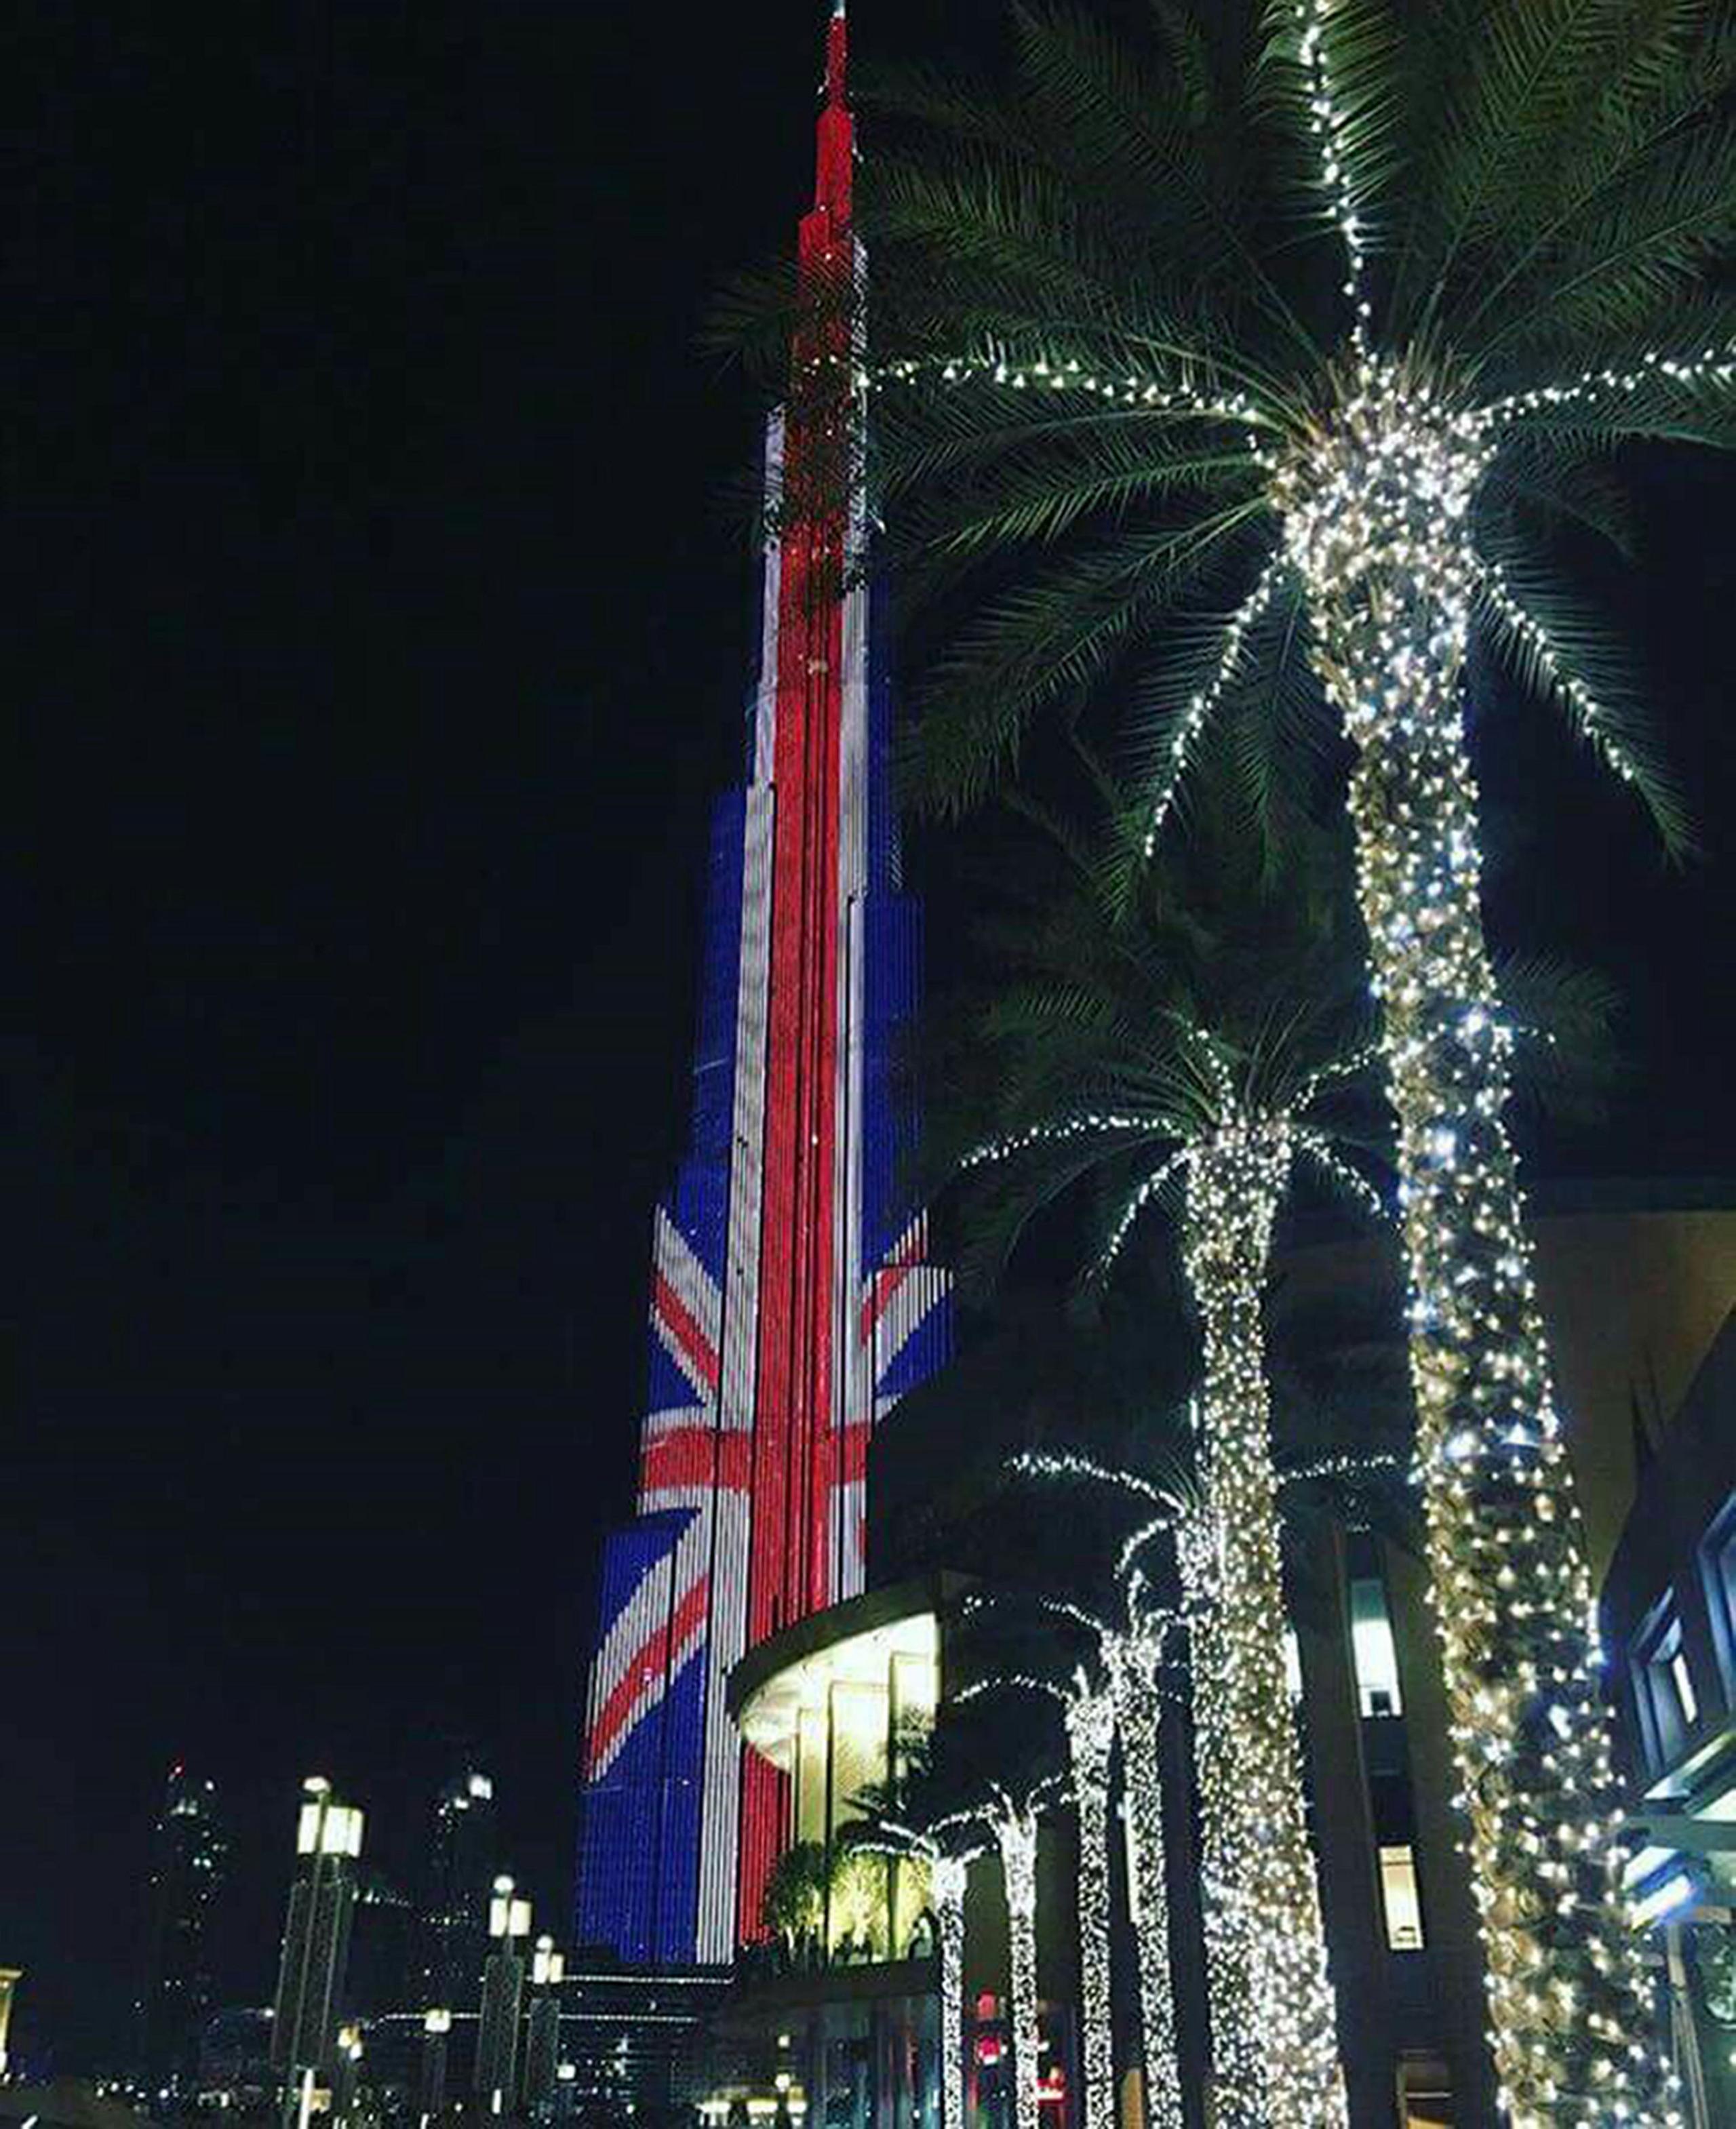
<point x="795" y="1402"/>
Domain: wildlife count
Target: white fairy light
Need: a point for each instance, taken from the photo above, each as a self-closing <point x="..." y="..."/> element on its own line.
<point x="1088" y="1125"/>
<point x="1374" y="503"/>
<point x="948" y="1868"/>
<point x="1715" y="366"/>
<point x="1326" y="122"/>
<point x="1274" y="2019"/>
<point x="1593" y="719"/>
<point x="948" y="1876"/>
<point x="1106" y="381"/>
<point x="1134" y="1662"/>
<point x="1205" y="700"/>
<point x="1014" y="1827"/>
<point x="1090" y="1720"/>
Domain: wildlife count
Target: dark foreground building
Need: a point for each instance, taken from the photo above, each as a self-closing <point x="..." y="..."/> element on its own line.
<point x="1669" y="1620"/>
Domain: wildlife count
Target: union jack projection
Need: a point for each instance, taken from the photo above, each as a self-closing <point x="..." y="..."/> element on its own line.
<point x="791" y="1305"/>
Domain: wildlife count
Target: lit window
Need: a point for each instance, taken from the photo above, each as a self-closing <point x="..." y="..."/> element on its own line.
<point x="1664" y="1685"/>
<point x="1371" y="1645"/>
<point x="1292" y="1663"/>
<point x="1400" y="1896"/>
<point x="1684" y="1685"/>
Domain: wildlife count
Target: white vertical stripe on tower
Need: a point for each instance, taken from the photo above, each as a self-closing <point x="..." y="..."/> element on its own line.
<point x="765" y="701"/>
<point x="849" y="1403"/>
<point x="720" y="1810"/>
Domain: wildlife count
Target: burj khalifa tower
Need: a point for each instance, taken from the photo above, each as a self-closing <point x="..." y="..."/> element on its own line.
<point x="791" y="1301"/>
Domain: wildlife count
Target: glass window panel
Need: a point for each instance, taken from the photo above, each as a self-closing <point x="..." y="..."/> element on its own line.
<point x="1402" y="1901"/>
<point x="1371" y="1645"/>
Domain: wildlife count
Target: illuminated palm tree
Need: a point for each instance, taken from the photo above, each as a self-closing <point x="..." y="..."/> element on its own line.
<point x="1134" y="1061"/>
<point x="1120" y="1693"/>
<point x="1273" y="346"/>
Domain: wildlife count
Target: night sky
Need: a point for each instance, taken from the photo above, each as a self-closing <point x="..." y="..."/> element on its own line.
<point x="379" y="635"/>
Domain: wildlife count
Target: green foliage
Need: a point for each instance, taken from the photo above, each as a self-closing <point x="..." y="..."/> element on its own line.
<point x="792" y="1906"/>
<point x="1542" y="189"/>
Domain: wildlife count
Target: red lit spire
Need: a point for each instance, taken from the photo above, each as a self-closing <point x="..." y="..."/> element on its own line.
<point x="836" y="130"/>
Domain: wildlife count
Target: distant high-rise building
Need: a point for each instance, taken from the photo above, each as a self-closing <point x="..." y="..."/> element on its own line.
<point x="453" y="1937"/>
<point x="311" y="1974"/>
<point x="380" y="1940"/>
<point x="188" y="1863"/>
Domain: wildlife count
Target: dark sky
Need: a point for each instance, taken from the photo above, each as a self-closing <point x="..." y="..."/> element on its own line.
<point x="377" y="638"/>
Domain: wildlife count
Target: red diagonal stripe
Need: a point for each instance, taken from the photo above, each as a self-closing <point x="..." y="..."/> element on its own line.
<point x="648" y="1665"/>
<point x="884" y="1284"/>
<point x="683" y="1326"/>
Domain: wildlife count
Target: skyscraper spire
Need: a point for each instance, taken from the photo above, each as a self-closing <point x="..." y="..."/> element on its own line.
<point x="790" y="1302"/>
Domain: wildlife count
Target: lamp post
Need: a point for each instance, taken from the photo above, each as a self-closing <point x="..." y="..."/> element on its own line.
<point x="542" y="2037"/>
<point x="436" y="2025"/>
<point x="503" y="1989"/>
<point x="328" y="1839"/>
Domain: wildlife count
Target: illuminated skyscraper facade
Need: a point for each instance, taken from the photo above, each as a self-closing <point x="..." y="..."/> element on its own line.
<point x="791" y="1305"/>
<point x="453" y="1936"/>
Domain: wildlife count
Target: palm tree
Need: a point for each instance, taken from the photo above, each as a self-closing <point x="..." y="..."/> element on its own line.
<point x="909" y="1817"/>
<point x="1140" y="1054"/>
<point x="1279" y="340"/>
<point x="1121" y="1693"/>
<point x="1012" y="1816"/>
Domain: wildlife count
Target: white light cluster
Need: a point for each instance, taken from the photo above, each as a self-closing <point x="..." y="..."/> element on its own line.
<point x="1325" y="122"/>
<point x="1090" y="1720"/>
<point x="1374" y="507"/>
<point x="1014" y="1826"/>
<point x="1201" y="704"/>
<point x="948" y="1876"/>
<point x="1274" y="2018"/>
<point x="1135" y="1663"/>
<point x="1593" y="722"/>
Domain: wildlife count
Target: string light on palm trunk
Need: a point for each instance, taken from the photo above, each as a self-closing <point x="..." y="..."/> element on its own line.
<point x="1374" y="507"/>
<point x="1090" y="1720"/>
<point x="1135" y="1664"/>
<point x="948" y="1876"/>
<point x="1274" y="2038"/>
<point x="1015" y="1834"/>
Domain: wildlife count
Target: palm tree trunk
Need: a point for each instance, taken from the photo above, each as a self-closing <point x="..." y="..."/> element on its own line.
<point x="1569" y="2011"/>
<point x="1277" y="2062"/>
<point x="949" y="1876"/>
<point x="1016" y="1833"/>
<point x="1091" y="1740"/>
<point x="1134" y="1683"/>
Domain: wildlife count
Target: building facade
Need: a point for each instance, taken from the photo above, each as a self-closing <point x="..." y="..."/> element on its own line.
<point x="836" y="2018"/>
<point x="452" y="1931"/>
<point x="1669" y="1624"/>
<point x="190" y="1861"/>
<point x="791" y="1305"/>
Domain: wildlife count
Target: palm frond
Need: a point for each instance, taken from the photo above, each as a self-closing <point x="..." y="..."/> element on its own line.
<point x="1561" y="650"/>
